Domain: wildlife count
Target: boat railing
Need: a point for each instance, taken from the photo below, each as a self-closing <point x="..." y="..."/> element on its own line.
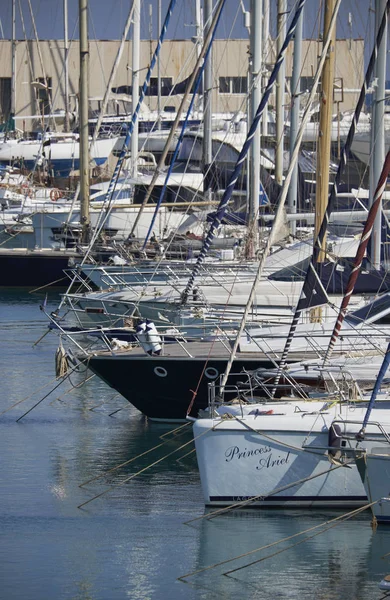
<point x="341" y="432"/>
<point x="76" y="277"/>
<point x="346" y="385"/>
<point x="217" y="395"/>
<point x="244" y="389"/>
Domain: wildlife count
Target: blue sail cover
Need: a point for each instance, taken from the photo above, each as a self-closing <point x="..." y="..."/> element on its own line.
<point x="334" y="276"/>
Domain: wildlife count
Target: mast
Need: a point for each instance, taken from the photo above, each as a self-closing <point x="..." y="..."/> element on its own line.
<point x="174" y="126"/>
<point x="378" y="133"/>
<point x="280" y="85"/>
<point x="294" y="123"/>
<point x="283" y="194"/>
<point x="266" y="58"/>
<point x="256" y="47"/>
<point x="207" y="97"/>
<point x="220" y="212"/>
<point x="323" y="154"/>
<point x="83" y="117"/>
<point x="13" y="62"/>
<point x="66" y="66"/>
<point x="159" y="69"/>
<point x="312" y="280"/>
<point x="112" y="74"/>
<point x="135" y="82"/>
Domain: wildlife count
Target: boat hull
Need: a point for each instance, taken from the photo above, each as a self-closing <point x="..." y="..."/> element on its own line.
<point x="30" y="268"/>
<point x="162" y="389"/>
<point x="279" y="459"/>
<point x="375" y="473"/>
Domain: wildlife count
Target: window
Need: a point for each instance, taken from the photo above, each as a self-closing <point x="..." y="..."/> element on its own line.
<point x="165" y="83"/>
<point x="43" y="91"/>
<point x="5" y="98"/>
<point x="307" y="84"/>
<point x="233" y="85"/>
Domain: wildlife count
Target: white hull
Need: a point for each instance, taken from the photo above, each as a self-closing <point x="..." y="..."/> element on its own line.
<point x="375" y="475"/>
<point x="361" y="145"/>
<point x="66" y="148"/>
<point x="120" y="220"/>
<point x="280" y="459"/>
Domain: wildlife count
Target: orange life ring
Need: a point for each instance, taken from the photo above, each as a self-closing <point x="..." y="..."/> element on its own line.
<point x="55" y="194"/>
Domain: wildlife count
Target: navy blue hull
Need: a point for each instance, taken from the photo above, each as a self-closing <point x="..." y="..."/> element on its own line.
<point x="161" y="387"/>
<point x="33" y="269"/>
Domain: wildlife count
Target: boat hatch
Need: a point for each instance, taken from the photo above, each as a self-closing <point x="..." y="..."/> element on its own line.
<point x="377" y="311"/>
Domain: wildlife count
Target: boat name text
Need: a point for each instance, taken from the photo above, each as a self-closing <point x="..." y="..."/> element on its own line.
<point x="265" y="462"/>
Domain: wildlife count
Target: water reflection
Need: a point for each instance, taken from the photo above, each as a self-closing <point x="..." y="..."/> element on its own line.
<point x="338" y="560"/>
<point x="132" y="541"/>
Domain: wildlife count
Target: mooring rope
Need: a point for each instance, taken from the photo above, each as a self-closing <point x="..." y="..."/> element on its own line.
<point x="132" y="459"/>
<point x="242" y="503"/>
<point x="331" y="522"/>
<point x="286" y="539"/>
<point x="140" y="471"/>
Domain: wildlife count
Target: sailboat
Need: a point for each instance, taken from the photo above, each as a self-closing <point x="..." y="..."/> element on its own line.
<point x="290" y="453"/>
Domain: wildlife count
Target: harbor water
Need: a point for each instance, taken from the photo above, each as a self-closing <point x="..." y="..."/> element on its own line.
<point x="134" y="539"/>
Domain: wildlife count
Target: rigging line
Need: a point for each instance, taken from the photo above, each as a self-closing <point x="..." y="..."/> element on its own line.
<point x="139" y="472"/>
<point x="365" y="237"/>
<point x="287" y="180"/>
<point x="332" y="197"/>
<point x="275" y="440"/>
<point x="29" y="396"/>
<point x="332" y="523"/>
<point x="48" y="394"/>
<point x="31" y="69"/>
<point x="81" y="485"/>
<point x="42" y="65"/>
<point x="195" y="392"/>
<point x="270" y="545"/>
<point x="378" y="383"/>
<point x="42" y="287"/>
<point x="174" y="126"/>
<point x="183" y="128"/>
<point x="113" y="73"/>
<point x="242" y="156"/>
<point x="116" y="173"/>
<point x="75" y="387"/>
<point x="262" y="497"/>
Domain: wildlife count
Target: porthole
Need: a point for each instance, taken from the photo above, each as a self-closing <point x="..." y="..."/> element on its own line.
<point x="160" y="371"/>
<point x="211" y="373"/>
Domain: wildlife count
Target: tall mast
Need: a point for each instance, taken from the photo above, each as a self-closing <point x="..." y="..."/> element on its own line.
<point x="323" y="154"/>
<point x="378" y="133"/>
<point x="294" y="123"/>
<point x="266" y="45"/>
<point x="135" y="82"/>
<point x="207" y="96"/>
<point x="66" y="66"/>
<point x="83" y="118"/>
<point x="280" y="85"/>
<point x="113" y="73"/>
<point x="159" y="69"/>
<point x="13" y="65"/>
<point x="256" y="48"/>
